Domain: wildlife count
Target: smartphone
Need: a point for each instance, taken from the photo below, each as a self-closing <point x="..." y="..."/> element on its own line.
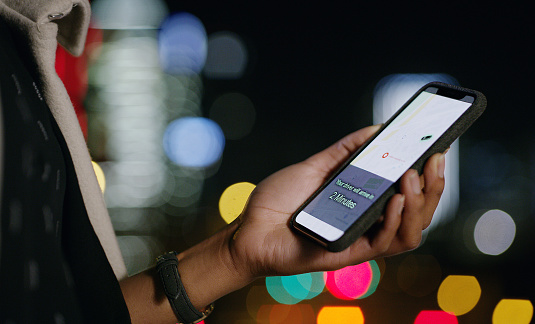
<point x="355" y="196"/>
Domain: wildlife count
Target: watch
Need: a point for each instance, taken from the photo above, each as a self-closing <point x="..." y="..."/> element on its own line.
<point x="186" y="313"/>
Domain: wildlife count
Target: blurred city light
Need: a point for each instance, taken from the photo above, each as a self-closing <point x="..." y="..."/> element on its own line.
<point x="139" y="251"/>
<point x="340" y="315"/>
<point x="128" y="14"/>
<point x="390" y="94"/>
<point x="494" y="232"/>
<point x="376" y="277"/>
<point x="183" y="188"/>
<point x="435" y="317"/>
<point x="145" y="79"/>
<point x="233" y="200"/>
<point x="184" y="95"/>
<point x="227" y="56"/>
<point x="517" y="311"/>
<point x="281" y="314"/>
<point x="277" y="291"/>
<point x="131" y="103"/>
<point x="127" y="101"/>
<point x="194" y="142"/>
<point x="235" y="113"/>
<point x="101" y="178"/>
<point x="392" y="91"/>
<point x="291" y="290"/>
<point x="458" y="294"/>
<point x="304" y="286"/>
<point x="183" y="44"/>
<point x="298" y="288"/>
<point x="257" y="296"/>
<point x="351" y="282"/>
<point x="184" y="185"/>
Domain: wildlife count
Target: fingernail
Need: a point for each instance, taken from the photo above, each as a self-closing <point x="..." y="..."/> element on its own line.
<point x="415" y="183"/>
<point x="401" y="204"/>
<point x="441" y="166"/>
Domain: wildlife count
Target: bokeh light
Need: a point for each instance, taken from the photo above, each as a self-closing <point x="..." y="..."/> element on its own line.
<point x="390" y="93"/>
<point x="233" y="200"/>
<point x="127" y="220"/>
<point x="419" y="275"/>
<point x="340" y="315"/>
<point x="293" y="289"/>
<point x="126" y="107"/>
<point x="183" y="44"/>
<point x="494" y="232"/>
<point x="137" y="100"/>
<point x="350" y="282"/>
<point x="183" y="188"/>
<point x="277" y="291"/>
<point x="139" y="251"/>
<point x="305" y="285"/>
<point x="517" y="311"/>
<point x="281" y="314"/>
<point x="101" y="178"/>
<point x="235" y="113"/>
<point x="376" y="277"/>
<point x="194" y="142"/>
<point x="227" y="56"/>
<point x="435" y="317"/>
<point x="458" y="294"/>
<point x="128" y="14"/>
<point x="257" y="296"/>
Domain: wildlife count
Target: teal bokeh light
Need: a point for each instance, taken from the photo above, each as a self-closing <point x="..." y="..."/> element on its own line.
<point x="293" y="289"/>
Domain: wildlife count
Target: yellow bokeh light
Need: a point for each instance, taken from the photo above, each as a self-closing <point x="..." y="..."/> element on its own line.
<point x="458" y="294"/>
<point x="234" y="199"/>
<point x="340" y="315"/>
<point x="518" y="311"/>
<point x="100" y="176"/>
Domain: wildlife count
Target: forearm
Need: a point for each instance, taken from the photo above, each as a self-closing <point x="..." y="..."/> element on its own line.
<point x="207" y="273"/>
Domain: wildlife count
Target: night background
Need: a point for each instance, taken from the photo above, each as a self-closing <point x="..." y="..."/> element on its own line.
<point x="309" y="76"/>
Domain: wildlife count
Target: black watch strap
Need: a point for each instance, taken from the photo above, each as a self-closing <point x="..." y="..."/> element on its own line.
<point x="174" y="290"/>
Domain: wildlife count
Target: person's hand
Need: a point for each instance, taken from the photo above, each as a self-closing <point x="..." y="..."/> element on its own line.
<point x="264" y="244"/>
<point x="260" y="242"/>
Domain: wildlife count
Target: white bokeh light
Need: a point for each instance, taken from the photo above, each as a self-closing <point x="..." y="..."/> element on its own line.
<point x="390" y="94"/>
<point x="227" y="56"/>
<point x="494" y="232"/>
<point x="128" y="14"/>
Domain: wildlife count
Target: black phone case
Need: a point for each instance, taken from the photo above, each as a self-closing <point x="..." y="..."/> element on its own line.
<point x="371" y="216"/>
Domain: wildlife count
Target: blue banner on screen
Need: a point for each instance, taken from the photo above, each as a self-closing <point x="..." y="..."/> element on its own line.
<point x="347" y="197"/>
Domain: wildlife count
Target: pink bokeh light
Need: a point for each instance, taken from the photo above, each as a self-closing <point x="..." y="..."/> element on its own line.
<point x="435" y="317"/>
<point x="350" y="282"/>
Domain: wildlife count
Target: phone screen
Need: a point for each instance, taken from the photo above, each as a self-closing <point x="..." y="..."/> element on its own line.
<point x="381" y="163"/>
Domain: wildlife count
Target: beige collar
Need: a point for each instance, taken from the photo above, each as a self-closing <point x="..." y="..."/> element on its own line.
<point x="71" y="16"/>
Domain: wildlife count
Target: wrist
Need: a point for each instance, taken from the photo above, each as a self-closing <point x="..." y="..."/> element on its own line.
<point x="209" y="271"/>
